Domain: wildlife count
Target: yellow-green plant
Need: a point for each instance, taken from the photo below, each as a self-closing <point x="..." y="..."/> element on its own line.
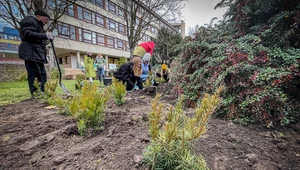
<point x="119" y="91"/>
<point x="81" y="125"/>
<point x="38" y="93"/>
<point x="170" y="145"/>
<point x="148" y="82"/>
<point x="160" y="80"/>
<point x="58" y="101"/>
<point x="79" y="81"/>
<point x="50" y="87"/>
<point x="87" y="108"/>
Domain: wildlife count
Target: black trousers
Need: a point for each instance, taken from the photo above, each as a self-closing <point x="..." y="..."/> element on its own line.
<point x="36" y="70"/>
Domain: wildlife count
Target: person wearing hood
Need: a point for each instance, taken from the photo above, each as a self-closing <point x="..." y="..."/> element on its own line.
<point x="33" y="47"/>
<point x="145" y="66"/>
<point x="143" y="48"/>
<point x="130" y="73"/>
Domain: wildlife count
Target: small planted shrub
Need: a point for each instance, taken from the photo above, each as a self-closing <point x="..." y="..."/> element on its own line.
<point x="170" y="145"/>
<point x="149" y="80"/>
<point x="50" y="87"/>
<point x="87" y="108"/>
<point x="38" y="93"/>
<point x="119" y="91"/>
<point x="79" y="81"/>
<point x="54" y="74"/>
<point x="81" y="125"/>
<point x="160" y="80"/>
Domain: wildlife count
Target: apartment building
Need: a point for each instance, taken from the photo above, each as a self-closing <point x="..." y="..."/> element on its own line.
<point x="9" y="40"/>
<point x="96" y="26"/>
<point x="180" y="27"/>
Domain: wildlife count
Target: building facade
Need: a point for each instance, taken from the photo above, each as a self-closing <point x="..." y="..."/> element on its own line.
<point x="9" y="45"/>
<point x="96" y="26"/>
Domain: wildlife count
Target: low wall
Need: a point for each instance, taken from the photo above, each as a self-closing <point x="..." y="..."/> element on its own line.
<point x="12" y="72"/>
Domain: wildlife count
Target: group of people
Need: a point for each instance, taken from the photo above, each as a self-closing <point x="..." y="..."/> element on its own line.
<point x="33" y="50"/>
<point x="90" y="65"/>
<point x="135" y="72"/>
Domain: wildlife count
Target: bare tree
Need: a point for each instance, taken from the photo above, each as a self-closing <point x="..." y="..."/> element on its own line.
<point x="13" y="11"/>
<point x="166" y="41"/>
<point x="140" y="14"/>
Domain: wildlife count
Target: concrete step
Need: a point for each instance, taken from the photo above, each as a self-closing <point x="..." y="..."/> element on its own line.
<point x="71" y="73"/>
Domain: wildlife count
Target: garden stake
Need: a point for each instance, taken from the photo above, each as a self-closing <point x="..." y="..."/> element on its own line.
<point x="60" y="83"/>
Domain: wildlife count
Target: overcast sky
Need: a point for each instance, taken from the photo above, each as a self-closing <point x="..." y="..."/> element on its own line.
<point x="200" y="12"/>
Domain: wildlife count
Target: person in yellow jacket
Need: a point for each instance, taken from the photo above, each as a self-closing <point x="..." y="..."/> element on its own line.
<point x="165" y="72"/>
<point x="89" y="67"/>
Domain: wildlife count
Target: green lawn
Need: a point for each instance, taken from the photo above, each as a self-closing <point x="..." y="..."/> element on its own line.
<point x="12" y="92"/>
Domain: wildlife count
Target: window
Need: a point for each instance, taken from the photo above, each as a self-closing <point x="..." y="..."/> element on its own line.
<point x="126" y="46"/>
<point x="93" y="18"/>
<point x="111" y="24"/>
<point x="121" y="12"/>
<point x="79" y="12"/>
<point x="116" y="43"/>
<point x="94" y="38"/>
<point x="110" y="42"/>
<point x="99" y="3"/>
<point x="121" y="29"/>
<point x="68" y="60"/>
<point x="87" y="15"/>
<point x="87" y="36"/>
<point x="120" y="44"/>
<point x="111" y="7"/>
<point x="99" y="20"/>
<point x="73" y="32"/>
<point x="100" y="39"/>
<point x="71" y="10"/>
<point x="80" y="34"/>
<point x="51" y="4"/>
<point x="63" y="30"/>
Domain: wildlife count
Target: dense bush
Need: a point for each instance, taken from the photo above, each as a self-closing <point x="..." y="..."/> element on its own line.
<point x="261" y="75"/>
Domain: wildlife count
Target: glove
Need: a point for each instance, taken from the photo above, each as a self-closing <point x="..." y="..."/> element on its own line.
<point x="129" y="91"/>
<point x="49" y="35"/>
<point x="136" y="87"/>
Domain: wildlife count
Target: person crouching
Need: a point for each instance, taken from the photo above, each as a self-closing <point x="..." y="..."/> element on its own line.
<point x="130" y="73"/>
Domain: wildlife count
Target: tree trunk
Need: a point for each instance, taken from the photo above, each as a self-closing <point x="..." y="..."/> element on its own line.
<point x="131" y="53"/>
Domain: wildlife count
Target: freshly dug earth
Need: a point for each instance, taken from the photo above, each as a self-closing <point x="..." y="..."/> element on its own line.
<point x="36" y="137"/>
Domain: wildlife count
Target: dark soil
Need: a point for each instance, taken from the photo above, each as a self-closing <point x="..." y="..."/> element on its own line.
<point x="34" y="137"/>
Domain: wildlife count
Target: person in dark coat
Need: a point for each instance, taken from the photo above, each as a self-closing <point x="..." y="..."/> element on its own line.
<point x="130" y="74"/>
<point x="33" y="47"/>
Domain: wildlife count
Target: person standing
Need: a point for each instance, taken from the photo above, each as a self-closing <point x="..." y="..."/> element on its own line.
<point x="33" y="47"/>
<point x="89" y="66"/>
<point x="100" y="63"/>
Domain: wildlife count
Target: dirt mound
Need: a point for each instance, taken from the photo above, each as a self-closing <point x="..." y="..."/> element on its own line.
<point x="34" y="137"/>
